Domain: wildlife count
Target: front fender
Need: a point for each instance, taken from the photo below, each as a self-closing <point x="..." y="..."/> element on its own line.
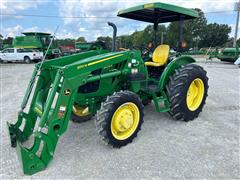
<point x="171" y="67"/>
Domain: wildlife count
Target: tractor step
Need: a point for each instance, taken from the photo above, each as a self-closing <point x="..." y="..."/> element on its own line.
<point x="161" y="103"/>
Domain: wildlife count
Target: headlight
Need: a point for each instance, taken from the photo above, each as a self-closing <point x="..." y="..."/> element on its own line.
<point x="134" y="61"/>
<point x="134" y="71"/>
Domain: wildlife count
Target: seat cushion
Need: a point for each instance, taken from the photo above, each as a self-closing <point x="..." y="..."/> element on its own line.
<point x="160" y="54"/>
<point x="150" y="63"/>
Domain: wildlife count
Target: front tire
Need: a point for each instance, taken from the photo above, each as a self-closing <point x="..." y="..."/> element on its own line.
<point x="36" y="61"/>
<point x="120" y="118"/>
<point x="187" y="92"/>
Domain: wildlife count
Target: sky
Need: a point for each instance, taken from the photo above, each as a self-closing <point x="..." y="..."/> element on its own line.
<point x="89" y="18"/>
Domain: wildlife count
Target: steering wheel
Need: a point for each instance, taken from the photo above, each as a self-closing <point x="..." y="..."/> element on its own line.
<point x="146" y="53"/>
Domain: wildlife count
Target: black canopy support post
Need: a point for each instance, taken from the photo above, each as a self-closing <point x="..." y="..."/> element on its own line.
<point x="155" y="28"/>
<point x="180" y="34"/>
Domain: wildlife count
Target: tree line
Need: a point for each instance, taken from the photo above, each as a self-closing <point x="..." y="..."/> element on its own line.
<point x="197" y="33"/>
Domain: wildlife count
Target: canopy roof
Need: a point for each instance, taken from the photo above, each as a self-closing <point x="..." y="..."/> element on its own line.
<point x="36" y="34"/>
<point x="158" y="13"/>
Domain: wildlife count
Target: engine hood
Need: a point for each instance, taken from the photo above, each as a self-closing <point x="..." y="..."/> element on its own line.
<point x="99" y="59"/>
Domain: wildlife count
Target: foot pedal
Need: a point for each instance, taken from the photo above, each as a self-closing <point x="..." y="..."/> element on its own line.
<point x="152" y="88"/>
<point x="136" y="77"/>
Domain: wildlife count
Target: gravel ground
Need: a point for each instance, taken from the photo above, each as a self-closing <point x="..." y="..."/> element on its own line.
<point x="207" y="147"/>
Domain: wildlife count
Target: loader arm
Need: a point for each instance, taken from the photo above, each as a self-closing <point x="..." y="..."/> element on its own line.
<point x="54" y="95"/>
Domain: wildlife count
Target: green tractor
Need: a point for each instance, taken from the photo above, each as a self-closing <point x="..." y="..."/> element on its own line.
<point x="39" y="41"/>
<point x="82" y="47"/>
<point x="112" y="86"/>
<point x="227" y="54"/>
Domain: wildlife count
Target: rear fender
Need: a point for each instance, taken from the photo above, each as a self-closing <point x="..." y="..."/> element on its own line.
<point x="171" y="67"/>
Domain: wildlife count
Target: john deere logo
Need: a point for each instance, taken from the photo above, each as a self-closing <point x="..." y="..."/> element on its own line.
<point x="67" y="92"/>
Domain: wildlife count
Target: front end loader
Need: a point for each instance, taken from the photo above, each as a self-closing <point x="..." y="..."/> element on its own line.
<point x="112" y="86"/>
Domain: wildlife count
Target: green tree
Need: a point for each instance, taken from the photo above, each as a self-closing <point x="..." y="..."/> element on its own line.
<point x="238" y="42"/>
<point x="107" y="40"/>
<point x="215" y="35"/>
<point x="1" y="41"/>
<point x="229" y="42"/>
<point x="81" y="40"/>
<point x="7" y="41"/>
<point x="172" y="34"/>
<point x="137" y="39"/>
<point x="198" y="33"/>
<point x="141" y="39"/>
<point x="125" y="41"/>
<point x="192" y="31"/>
<point x="65" y="42"/>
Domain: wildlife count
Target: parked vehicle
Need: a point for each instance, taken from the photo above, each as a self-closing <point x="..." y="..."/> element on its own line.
<point x="39" y="41"/>
<point x="22" y="55"/>
<point x="83" y="47"/>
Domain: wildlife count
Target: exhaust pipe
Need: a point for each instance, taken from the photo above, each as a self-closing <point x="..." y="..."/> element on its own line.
<point x="114" y="35"/>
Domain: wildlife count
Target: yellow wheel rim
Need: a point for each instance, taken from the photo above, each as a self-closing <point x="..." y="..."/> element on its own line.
<point x="125" y="121"/>
<point x="80" y="110"/>
<point x="195" y="94"/>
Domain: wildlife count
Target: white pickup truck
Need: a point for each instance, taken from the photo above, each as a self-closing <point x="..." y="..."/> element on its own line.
<point x="17" y="54"/>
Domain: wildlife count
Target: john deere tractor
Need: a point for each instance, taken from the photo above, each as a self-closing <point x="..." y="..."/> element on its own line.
<point x="112" y="86"/>
<point x="39" y="41"/>
<point x="227" y="54"/>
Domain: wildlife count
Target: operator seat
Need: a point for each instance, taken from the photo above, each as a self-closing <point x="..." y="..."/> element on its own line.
<point x="160" y="56"/>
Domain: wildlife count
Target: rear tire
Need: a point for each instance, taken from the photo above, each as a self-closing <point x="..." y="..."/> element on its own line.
<point x="120" y="118"/>
<point x="27" y="60"/>
<point x="146" y="102"/>
<point x="185" y="105"/>
<point x="79" y="117"/>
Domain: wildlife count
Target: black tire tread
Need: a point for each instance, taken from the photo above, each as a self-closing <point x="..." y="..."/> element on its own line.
<point x="105" y="113"/>
<point x="177" y="82"/>
<point x="78" y="119"/>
